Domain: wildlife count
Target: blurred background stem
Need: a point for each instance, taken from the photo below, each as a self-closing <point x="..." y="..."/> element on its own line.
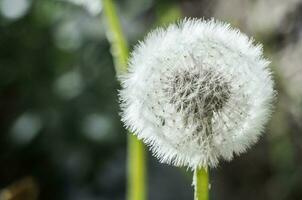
<point x="119" y="47"/>
<point x="136" y="186"/>
<point x="166" y="13"/>
<point x="201" y="184"/>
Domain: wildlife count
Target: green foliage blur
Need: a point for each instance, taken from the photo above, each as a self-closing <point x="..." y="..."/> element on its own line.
<point x="59" y="114"/>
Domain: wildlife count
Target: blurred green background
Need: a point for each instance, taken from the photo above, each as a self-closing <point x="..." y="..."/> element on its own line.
<point x="59" y="116"/>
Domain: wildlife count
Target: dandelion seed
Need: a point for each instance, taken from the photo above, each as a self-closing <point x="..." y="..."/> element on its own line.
<point x="197" y="92"/>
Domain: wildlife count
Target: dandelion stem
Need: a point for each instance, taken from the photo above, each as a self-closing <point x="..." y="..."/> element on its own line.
<point x="136" y="169"/>
<point x="201" y="184"/>
<point x="136" y="174"/>
<point x="119" y="47"/>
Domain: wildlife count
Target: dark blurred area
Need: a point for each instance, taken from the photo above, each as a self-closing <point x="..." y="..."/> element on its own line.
<point x="61" y="136"/>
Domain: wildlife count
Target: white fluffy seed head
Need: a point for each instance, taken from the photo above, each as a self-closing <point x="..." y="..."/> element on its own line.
<point x="196" y="92"/>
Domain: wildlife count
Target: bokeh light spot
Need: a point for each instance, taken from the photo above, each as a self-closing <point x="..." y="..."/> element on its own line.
<point x="96" y="126"/>
<point x="69" y="85"/>
<point x="26" y="128"/>
<point x="14" y="9"/>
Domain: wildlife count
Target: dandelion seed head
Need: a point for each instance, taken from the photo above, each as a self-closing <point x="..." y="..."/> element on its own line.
<point x="197" y="92"/>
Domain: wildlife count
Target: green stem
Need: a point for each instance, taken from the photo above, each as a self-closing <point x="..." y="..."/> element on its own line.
<point x="136" y="169"/>
<point x="136" y="187"/>
<point x="167" y="13"/>
<point x="201" y="184"/>
<point x="119" y="47"/>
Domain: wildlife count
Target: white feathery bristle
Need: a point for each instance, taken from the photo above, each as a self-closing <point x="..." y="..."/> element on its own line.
<point x="196" y="92"/>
